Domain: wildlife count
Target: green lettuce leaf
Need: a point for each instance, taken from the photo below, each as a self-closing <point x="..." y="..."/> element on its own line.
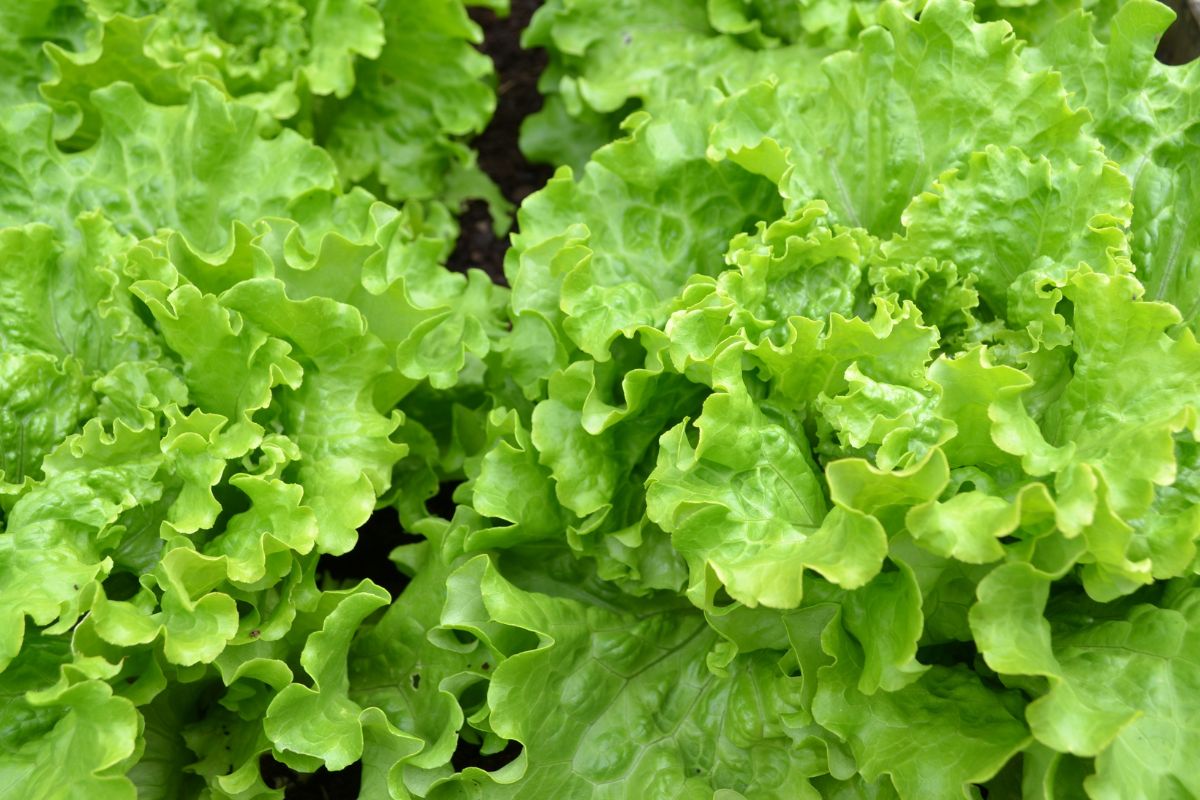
<point x="1114" y="679"/>
<point x="1143" y="112"/>
<point x="890" y="100"/>
<point x="606" y="697"/>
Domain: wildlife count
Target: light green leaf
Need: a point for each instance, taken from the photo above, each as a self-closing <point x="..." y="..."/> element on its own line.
<point x="59" y="531"/>
<point x="932" y="737"/>
<point x="322" y="721"/>
<point x="886" y="120"/>
<point x="608" y="700"/>
<point x="210" y="183"/>
<point x="419" y="683"/>
<point x="404" y="122"/>
<point x="1079" y="212"/>
<point x="743" y="501"/>
<point x="63" y="731"/>
<point x="652" y="197"/>
<point x="1141" y="111"/>
<point x="1115" y="679"/>
<point x="41" y="402"/>
<point x="965" y="527"/>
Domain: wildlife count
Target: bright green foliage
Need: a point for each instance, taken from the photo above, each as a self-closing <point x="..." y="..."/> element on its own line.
<point x="209" y="352"/>
<point x="610" y="58"/>
<point x="838" y="436"/>
<point x="357" y="76"/>
<point x="951" y="347"/>
<point x="1143" y="112"/>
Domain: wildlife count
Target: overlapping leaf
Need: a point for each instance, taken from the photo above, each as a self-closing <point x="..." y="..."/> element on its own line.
<point x="844" y="442"/>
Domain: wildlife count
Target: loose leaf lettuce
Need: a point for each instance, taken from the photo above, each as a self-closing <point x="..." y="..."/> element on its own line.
<point x="837" y="438"/>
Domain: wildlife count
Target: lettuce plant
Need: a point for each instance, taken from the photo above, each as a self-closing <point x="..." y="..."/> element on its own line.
<point x="210" y="351"/>
<point x="351" y="74"/>
<point x="835" y="437"/>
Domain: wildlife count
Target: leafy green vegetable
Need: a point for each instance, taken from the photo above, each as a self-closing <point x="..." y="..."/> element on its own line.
<point x="351" y="74"/>
<point x="837" y="435"/>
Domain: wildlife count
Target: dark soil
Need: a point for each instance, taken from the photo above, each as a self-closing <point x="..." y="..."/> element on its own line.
<point x="369" y="559"/>
<point x="1181" y="42"/>
<point x="517" y="73"/>
<point x="319" y="785"/>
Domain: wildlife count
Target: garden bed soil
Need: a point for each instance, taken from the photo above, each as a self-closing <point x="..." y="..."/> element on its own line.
<point x="1181" y="43"/>
<point x="517" y="72"/>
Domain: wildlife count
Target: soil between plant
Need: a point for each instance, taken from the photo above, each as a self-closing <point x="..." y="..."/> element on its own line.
<point x="517" y="73"/>
<point x="1180" y="43"/>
